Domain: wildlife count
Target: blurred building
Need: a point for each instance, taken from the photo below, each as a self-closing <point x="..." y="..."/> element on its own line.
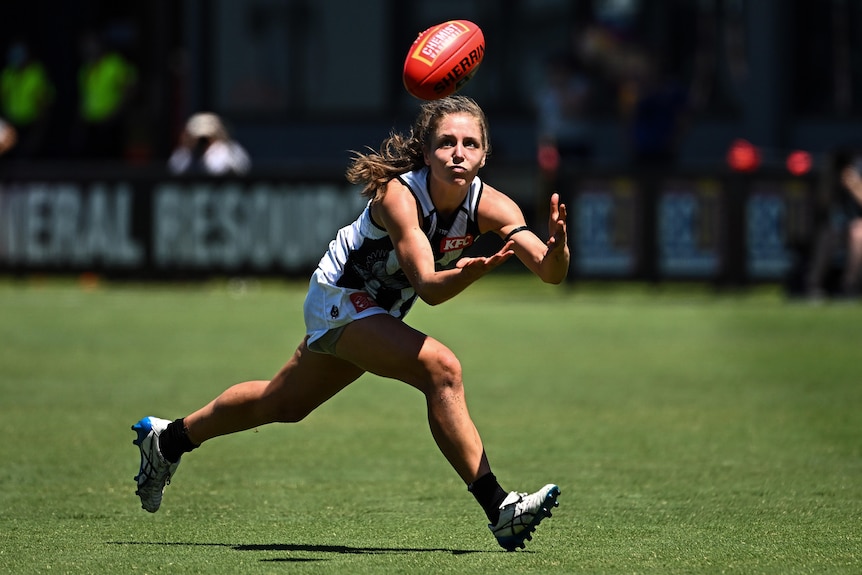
<point x="303" y="81"/>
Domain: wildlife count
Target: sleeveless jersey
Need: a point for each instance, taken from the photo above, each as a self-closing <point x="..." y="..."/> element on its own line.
<point x="362" y="257"/>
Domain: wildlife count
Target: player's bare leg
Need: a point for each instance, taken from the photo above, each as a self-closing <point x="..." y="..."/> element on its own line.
<point x="385" y="346"/>
<point x="306" y="381"/>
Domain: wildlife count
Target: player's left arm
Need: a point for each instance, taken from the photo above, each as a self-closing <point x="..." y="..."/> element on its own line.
<point x="548" y="259"/>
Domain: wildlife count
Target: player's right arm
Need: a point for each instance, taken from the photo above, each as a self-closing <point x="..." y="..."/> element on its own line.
<point x="396" y="210"/>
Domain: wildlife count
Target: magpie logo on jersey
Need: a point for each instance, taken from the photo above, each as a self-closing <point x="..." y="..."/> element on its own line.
<point x="334" y="312"/>
<point x="452" y="244"/>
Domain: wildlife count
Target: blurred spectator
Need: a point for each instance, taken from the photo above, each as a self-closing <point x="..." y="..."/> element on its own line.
<point x="561" y="112"/>
<point x="841" y="230"/>
<point x="205" y="147"/>
<point x="107" y="84"/>
<point x="564" y="137"/>
<point x="654" y="109"/>
<point x="8" y="136"/>
<point x="27" y="95"/>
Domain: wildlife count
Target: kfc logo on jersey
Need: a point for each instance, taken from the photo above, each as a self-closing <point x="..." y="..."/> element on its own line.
<point x="452" y="244"/>
<point x="362" y="301"/>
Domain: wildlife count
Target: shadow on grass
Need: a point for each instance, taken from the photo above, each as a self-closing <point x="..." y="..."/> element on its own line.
<point x="350" y="550"/>
<point x="341" y="549"/>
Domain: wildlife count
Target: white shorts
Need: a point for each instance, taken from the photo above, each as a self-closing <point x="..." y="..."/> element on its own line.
<point x="329" y="308"/>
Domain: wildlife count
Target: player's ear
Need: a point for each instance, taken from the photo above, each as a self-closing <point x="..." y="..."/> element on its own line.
<point x="482" y="163"/>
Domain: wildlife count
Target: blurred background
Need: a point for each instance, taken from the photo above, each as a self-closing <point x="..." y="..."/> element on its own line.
<point x="693" y="139"/>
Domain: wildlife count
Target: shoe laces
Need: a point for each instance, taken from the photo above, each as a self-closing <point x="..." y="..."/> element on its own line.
<point x="151" y="466"/>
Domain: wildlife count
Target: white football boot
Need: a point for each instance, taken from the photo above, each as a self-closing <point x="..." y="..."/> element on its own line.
<point x="520" y="513"/>
<point x="155" y="471"/>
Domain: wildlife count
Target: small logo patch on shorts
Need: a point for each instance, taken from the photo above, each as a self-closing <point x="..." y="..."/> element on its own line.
<point x="362" y="301"/>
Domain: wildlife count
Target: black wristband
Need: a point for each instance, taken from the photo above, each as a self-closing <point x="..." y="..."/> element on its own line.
<point x="513" y="232"/>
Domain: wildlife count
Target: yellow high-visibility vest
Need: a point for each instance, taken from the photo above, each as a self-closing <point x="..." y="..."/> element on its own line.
<point x="25" y="93"/>
<point x="103" y="86"/>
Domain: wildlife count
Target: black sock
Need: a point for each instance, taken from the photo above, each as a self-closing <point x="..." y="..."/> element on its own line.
<point x="489" y="494"/>
<point x="174" y="441"/>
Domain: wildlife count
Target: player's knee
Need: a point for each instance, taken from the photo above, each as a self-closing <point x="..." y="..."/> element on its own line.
<point x="445" y="372"/>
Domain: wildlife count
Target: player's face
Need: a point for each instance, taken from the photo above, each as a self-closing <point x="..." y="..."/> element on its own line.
<point x="456" y="153"/>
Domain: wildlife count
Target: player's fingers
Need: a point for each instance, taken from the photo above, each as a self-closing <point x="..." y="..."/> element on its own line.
<point x="503" y="256"/>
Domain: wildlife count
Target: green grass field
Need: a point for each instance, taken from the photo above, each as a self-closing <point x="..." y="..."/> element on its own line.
<point x="689" y="432"/>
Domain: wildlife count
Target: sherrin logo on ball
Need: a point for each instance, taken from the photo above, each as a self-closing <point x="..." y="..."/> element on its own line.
<point x="443" y="58"/>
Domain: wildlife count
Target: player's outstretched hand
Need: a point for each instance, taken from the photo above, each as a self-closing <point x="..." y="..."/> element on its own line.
<point x="482" y="265"/>
<point x="557" y="223"/>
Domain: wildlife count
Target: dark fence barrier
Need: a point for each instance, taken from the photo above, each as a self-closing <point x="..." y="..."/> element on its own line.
<point x="720" y="228"/>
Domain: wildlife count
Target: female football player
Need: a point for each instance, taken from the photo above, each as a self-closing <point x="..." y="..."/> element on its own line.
<point x="426" y="205"/>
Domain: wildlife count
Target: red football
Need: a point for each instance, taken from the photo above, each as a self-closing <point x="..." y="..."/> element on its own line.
<point x="443" y="58"/>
